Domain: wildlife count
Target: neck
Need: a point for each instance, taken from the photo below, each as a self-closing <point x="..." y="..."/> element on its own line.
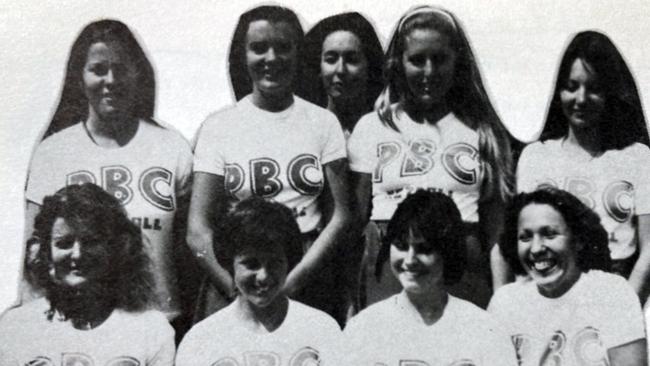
<point x="430" y="114"/>
<point x="562" y="288"/>
<point x="269" y="317"/>
<point x="115" y="132"/>
<point x="587" y="139"/>
<point x="96" y="317"/>
<point x="271" y="103"/>
<point x="347" y="113"/>
<point x="429" y="306"/>
<point x="86" y="306"/>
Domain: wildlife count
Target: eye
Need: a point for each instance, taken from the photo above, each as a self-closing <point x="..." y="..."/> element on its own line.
<point x="549" y="233"/>
<point x="424" y="248"/>
<point x="330" y="58"/>
<point x="417" y="60"/>
<point x="251" y="263"/>
<point x="63" y="243"/>
<point x="99" y="69"/>
<point x="571" y="85"/>
<point x="401" y="245"/>
<point x="353" y="58"/>
<point x="524" y="236"/>
<point x="258" y="47"/>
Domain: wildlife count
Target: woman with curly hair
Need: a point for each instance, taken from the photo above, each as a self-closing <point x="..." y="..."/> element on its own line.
<point x="436" y="129"/>
<point x="103" y="132"/>
<point x="98" y="284"/>
<point x="424" y="324"/>
<point x="594" y="144"/>
<point x="570" y="310"/>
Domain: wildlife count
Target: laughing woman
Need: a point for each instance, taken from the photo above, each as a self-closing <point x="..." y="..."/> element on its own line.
<point x="274" y="145"/>
<point x="571" y="312"/>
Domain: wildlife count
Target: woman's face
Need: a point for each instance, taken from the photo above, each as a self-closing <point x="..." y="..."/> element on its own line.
<point x="344" y="67"/>
<point x="109" y="78"/>
<point x="76" y="258"/>
<point x="429" y="63"/>
<point x="271" y="57"/>
<point x="416" y="264"/>
<point x="546" y="250"/>
<point x="260" y="273"/>
<point x="582" y="96"/>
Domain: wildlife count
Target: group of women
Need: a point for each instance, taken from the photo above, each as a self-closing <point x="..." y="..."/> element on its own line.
<point x="397" y="171"/>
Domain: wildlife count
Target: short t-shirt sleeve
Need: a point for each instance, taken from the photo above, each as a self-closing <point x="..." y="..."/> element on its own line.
<point x="41" y="167"/>
<point x="621" y="312"/>
<point x="500" y="306"/>
<point x="642" y="184"/>
<point x="207" y="156"/>
<point x="162" y="349"/>
<point x="334" y="147"/>
<point x="525" y="167"/>
<point x="184" y="170"/>
<point x="361" y="146"/>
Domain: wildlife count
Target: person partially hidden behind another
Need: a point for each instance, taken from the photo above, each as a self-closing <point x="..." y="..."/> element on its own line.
<point x="98" y="286"/>
<point x="261" y="243"/>
<point x="571" y="312"/>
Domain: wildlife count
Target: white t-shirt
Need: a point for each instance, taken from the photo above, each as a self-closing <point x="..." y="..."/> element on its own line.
<point x="442" y="156"/>
<point x="599" y="312"/>
<point x="148" y="176"/>
<point x="124" y="339"/>
<point x="279" y="155"/>
<point x="306" y="337"/>
<point x="616" y="185"/>
<point x="389" y="333"/>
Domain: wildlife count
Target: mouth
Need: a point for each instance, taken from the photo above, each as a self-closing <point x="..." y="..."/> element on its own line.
<point x="543" y="266"/>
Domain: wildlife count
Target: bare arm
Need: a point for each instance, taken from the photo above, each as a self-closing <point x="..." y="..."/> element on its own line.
<point x="332" y="234"/>
<point x="208" y="202"/>
<point x="492" y="220"/>
<point x="362" y="186"/>
<point x="639" y="275"/>
<point x="630" y="354"/>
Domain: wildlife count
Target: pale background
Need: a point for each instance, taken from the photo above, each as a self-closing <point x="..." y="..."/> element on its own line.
<point x="518" y="45"/>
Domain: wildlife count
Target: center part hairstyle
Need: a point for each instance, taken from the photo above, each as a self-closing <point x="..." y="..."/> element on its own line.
<point x="467" y="96"/>
<point x="73" y="104"/>
<point x="583" y="223"/>
<point x="242" y="85"/>
<point x="622" y="121"/>
<point x="258" y="223"/>
<point x="436" y="217"/>
<point x="311" y="85"/>
<point x="94" y="214"/>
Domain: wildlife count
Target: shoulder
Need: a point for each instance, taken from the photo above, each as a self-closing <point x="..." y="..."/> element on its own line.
<point x="468" y="312"/>
<point x="150" y="323"/>
<point x="313" y="317"/>
<point x="164" y="133"/>
<point x="636" y="150"/>
<point x="61" y="138"/>
<point x="597" y="281"/>
<point x="315" y="114"/>
<point x="376" y="314"/>
<point x="367" y="125"/>
<point x="506" y="297"/>
<point x="541" y="147"/>
<point x="213" y="325"/>
<point x="30" y="311"/>
<point x="226" y="115"/>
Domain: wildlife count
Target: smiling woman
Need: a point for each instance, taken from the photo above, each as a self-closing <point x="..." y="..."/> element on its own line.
<point x="571" y="308"/>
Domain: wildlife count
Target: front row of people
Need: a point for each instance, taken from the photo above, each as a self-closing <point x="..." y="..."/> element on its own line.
<point x="92" y="263"/>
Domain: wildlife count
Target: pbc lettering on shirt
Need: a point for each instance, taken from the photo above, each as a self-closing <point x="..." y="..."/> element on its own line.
<point x="463" y="362"/>
<point x="617" y="198"/>
<point x="460" y="160"/>
<point x="81" y="359"/>
<point x="586" y="348"/>
<point x="306" y="356"/>
<point x="154" y="184"/>
<point x="303" y="173"/>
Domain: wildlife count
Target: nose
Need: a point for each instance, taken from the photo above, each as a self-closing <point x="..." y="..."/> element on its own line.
<point x="537" y="245"/>
<point x="109" y="78"/>
<point x="580" y="96"/>
<point x="75" y="251"/>
<point x="271" y="54"/>
<point x="340" y="66"/>
<point x="262" y="275"/>
<point x="410" y="258"/>
<point x="428" y="68"/>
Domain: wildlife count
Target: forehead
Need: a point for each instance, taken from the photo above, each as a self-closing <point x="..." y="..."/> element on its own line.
<point x="425" y="39"/>
<point x="342" y="40"/>
<point x="581" y="69"/>
<point x="539" y="215"/>
<point x="264" y="30"/>
<point x="60" y="227"/>
<point x="111" y="51"/>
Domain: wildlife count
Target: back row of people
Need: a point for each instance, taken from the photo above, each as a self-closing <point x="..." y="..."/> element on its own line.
<point x="434" y="128"/>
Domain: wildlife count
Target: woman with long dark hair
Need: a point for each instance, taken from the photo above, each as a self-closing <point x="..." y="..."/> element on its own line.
<point x="102" y="132"/>
<point x="274" y="145"/>
<point x="594" y="144"/>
